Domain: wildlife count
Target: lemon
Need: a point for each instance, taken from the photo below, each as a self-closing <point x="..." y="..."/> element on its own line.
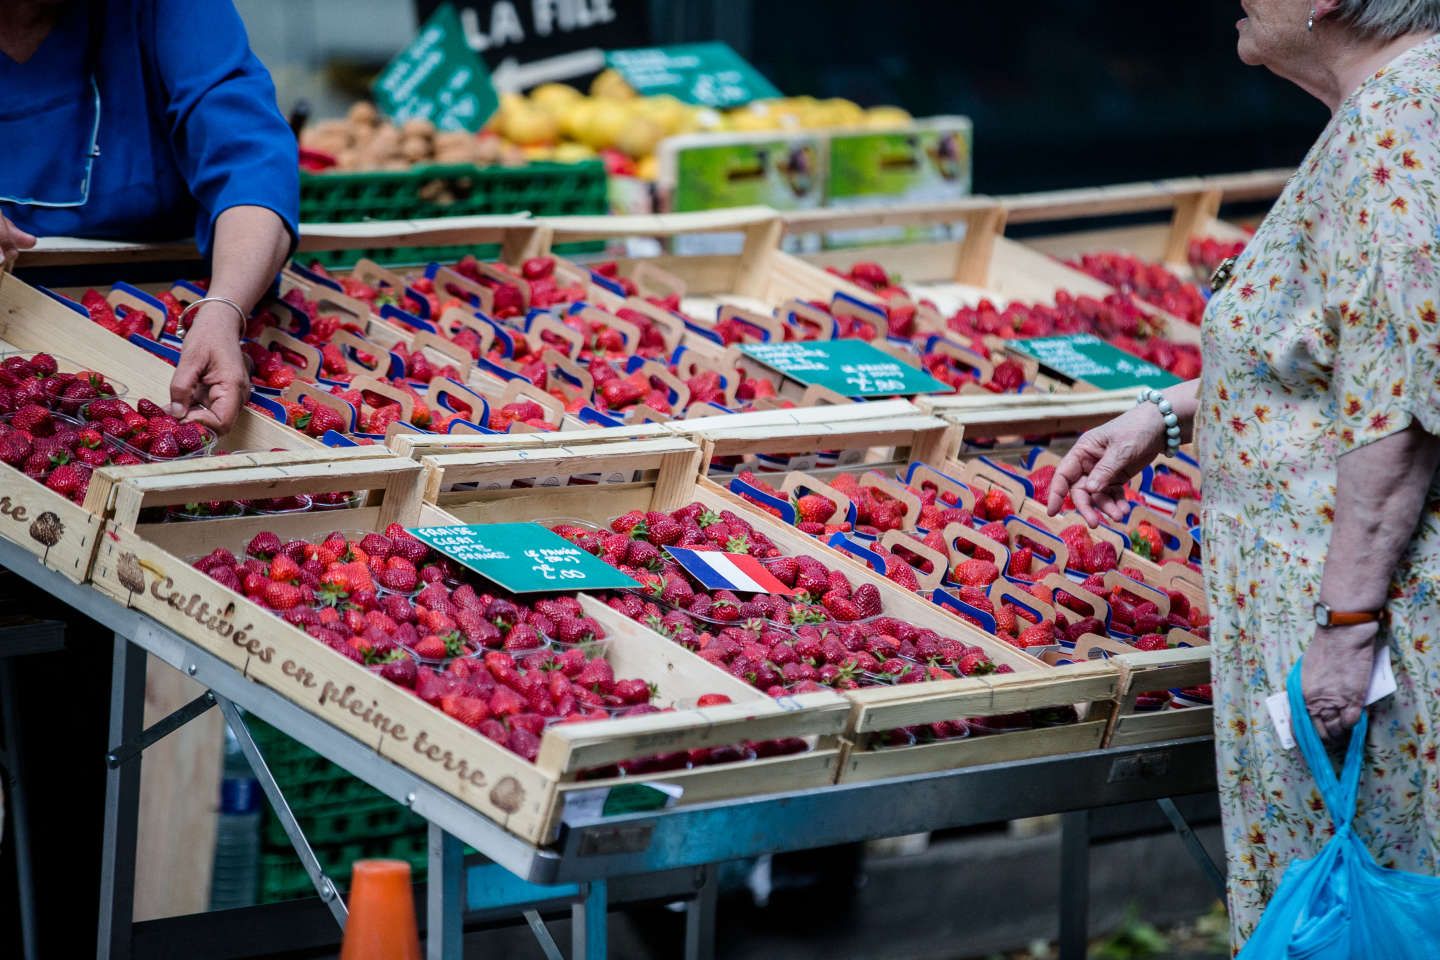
<point x="604" y="124"/>
<point x="573" y="153"/>
<point x="639" y="137"/>
<point x="555" y="97"/>
<point x="611" y="86"/>
<point x="529" y="126"/>
<point x="648" y="168"/>
<point x="882" y="118"/>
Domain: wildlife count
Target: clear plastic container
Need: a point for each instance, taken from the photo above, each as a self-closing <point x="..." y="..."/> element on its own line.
<point x="275" y="507"/>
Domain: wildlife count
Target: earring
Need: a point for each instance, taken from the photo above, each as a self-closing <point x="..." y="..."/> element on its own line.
<point x="1310" y="24"/>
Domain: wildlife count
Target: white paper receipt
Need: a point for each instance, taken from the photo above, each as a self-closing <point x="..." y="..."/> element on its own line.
<point x="1382" y="684"/>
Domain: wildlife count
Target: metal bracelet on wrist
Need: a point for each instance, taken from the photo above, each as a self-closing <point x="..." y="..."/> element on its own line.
<point x="1172" y="419"/>
<point x="239" y="310"/>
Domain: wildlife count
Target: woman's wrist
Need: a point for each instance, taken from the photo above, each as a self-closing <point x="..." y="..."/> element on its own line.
<point x="221" y="314"/>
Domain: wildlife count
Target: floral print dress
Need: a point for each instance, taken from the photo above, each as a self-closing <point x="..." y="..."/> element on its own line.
<point x="1326" y="338"/>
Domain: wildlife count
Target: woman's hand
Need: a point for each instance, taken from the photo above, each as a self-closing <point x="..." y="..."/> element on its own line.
<point x="211" y="384"/>
<point x="12" y="241"/>
<point x="1103" y="460"/>
<point x="1335" y="677"/>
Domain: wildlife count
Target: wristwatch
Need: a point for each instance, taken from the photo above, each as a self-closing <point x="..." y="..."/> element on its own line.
<point x="1326" y="617"/>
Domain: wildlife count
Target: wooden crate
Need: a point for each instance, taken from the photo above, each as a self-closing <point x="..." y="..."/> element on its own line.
<point x="1171" y="669"/>
<point x="1028" y="415"/>
<point x="60" y="534"/>
<point x="1090" y="687"/>
<point x="143" y="566"/>
<point x="874" y="432"/>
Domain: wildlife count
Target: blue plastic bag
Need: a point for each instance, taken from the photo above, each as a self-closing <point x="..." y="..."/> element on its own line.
<point x="1341" y="904"/>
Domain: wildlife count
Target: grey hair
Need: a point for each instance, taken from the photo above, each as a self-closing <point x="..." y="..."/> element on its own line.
<point x="1388" y="19"/>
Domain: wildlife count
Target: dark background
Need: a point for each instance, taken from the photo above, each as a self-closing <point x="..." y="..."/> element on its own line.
<point x="1062" y="92"/>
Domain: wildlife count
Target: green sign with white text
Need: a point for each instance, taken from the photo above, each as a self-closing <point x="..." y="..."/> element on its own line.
<point x="703" y="74"/>
<point x="852" y="368"/>
<point x="438" y="78"/>
<point x="1085" y="357"/>
<point x="523" y="557"/>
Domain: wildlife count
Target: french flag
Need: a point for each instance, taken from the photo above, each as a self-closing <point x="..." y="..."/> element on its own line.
<point x="728" y="571"/>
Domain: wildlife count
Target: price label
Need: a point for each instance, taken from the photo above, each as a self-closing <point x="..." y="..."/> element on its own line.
<point x="703" y="74"/>
<point x="1085" y="357"/>
<point x="853" y="368"/>
<point x="438" y="78"/>
<point x="523" y="557"/>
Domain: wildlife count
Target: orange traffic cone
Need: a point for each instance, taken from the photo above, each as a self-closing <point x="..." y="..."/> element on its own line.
<point x="382" y="913"/>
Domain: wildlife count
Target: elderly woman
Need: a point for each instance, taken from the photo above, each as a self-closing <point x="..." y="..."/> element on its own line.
<point x="1317" y="419"/>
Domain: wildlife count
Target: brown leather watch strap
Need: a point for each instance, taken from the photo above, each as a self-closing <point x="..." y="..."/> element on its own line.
<point x="1340" y="618"/>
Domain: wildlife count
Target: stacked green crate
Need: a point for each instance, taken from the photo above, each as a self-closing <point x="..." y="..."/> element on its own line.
<point x="449" y="190"/>
<point x="343" y="819"/>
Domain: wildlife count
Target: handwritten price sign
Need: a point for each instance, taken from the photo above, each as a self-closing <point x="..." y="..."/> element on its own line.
<point x="853" y="368"/>
<point x="523" y="557"/>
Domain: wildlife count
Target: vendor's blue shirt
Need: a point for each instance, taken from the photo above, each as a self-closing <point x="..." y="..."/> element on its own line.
<point x="188" y="125"/>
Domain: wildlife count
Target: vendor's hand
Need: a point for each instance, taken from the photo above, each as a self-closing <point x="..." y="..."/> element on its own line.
<point x="211" y="384"/>
<point x="1335" y="677"/>
<point x="1103" y="460"/>
<point x="12" y="241"/>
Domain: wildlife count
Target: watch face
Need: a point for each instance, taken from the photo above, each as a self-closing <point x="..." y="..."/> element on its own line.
<point x="1322" y="615"/>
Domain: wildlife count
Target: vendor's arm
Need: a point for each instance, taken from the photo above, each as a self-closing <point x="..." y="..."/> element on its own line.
<point x="211" y="383"/>
<point x="12" y="241"/>
<point x="1103" y="460"/>
<point x="1380" y="493"/>
<point x="240" y="162"/>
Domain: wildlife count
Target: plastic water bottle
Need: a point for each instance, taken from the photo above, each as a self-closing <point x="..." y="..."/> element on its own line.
<point x="235" y="879"/>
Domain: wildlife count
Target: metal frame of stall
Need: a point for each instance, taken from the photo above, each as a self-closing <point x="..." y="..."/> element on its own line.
<point x="591" y="852"/>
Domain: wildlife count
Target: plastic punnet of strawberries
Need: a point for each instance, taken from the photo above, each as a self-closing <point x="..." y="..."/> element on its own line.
<point x="483" y="657"/>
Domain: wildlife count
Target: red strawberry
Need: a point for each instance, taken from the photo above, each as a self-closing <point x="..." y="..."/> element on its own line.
<point x="164" y="447"/>
<point x="977" y="573"/>
<point x="1040" y="635"/>
<point x="67" y="480"/>
<point x="1152" y="641"/>
<point x="264" y="545"/>
<point x="712" y="700"/>
<point x="430" y="648"/>
<point x="632" y="691"/>
<point x="867" y="600"/>
<point x="400" y="579"/>
<point x="813" y="507"/>
<point x="283" y="596"/>
<point x="283" y="569"/>
<point x="597" y="675"/>
<point x="995" y="505"/>
<point x="470" y="711"/>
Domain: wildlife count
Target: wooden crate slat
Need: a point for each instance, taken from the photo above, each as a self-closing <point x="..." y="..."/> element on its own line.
<point x="862" y="765"/>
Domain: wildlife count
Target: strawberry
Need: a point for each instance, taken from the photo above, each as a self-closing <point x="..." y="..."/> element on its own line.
<point x="975" y="662"/>
<point x="995" y="505"/>
<point x="632" y="691"/>
<point x="977" y="573"/>
<point x="712" y="700"/>
<point x="664" y="531"/>
<point x="813" y="507"/>
<point x="190" y="437"/>
<point x="66" y="480"/>
<point x="399" y="579"/>
<point x="34" y="420"/>
<point x="164" y="447"/>
<point x="430" y="648"/>
<point x="1040" y="635"/>
<point x="597" y="675"/>
<point x="1152" y="641"/>
<point x="900" y="572"/>
<point x="15" y="448"/>
<point x="505" y="702"/>
<point x="470" y="711"/>
<point x="376" y="545"/>
<point x="283" y="596"/>
<point x="867" y="600"/>
<point x="284" y="570"/>
<point x="841" y="607"/>
<point x="1146" y="541"/>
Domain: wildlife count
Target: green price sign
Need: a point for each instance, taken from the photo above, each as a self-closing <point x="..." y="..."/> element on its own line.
<point x="438" y="78"/>
<point x="523" y="557"/>
<point x="704" y="74"/>
<point x="1084" y="356"/>
<point x="850" y="367"/>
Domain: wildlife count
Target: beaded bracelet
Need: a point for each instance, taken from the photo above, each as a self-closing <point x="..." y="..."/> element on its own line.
<point x="1172" y="421"/>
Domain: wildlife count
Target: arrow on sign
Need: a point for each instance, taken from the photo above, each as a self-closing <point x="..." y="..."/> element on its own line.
<point x="512" y="77"/>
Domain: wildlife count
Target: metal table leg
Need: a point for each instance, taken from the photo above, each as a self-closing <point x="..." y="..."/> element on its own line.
<point x="122" y="804"/>
<point x="445" y="926"/>
<point x="700" y="916"/>
<point x="19" y="814"/>
<point x="323" y="884"/>
<point x="1074" y="885"/>
<point x="1192" y="843"/>
<point x="589" y="933"/>
<point x="542" y="935"/>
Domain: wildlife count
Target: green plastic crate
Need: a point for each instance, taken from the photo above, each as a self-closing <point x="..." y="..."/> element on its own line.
<point x="540" y="189"/>
<point x="283" y="878"/>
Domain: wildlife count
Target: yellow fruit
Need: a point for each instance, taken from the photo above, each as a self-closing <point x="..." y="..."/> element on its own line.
<point x="648" y="168"/>
<point x="842" y="113"/>
<point x="604" y="125"/>
<point x="529" y="126"/>
<point x="555" y="97"/>
<point x="665" y="110"/>
<point x="610" y="85"/>
<point x="639" y="137"/>
<point x="576" y="117"/>
<point x="573" y="153"/>
<point x="887" y="117"/>
<point x="539" y="153"/>
<point x="748" y="120"/>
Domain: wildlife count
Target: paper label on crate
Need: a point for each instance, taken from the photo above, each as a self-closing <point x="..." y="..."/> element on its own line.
<point x="582" y="805"/>
<point x="523" y="557"/>
<point x="852" y="368"/>
<point x="729" y="571"/>
<point x="438" y="78"/>
<point x="703" y="74"/>
<point x="1382" y="684"/>
<point x="1084" y="356"/>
